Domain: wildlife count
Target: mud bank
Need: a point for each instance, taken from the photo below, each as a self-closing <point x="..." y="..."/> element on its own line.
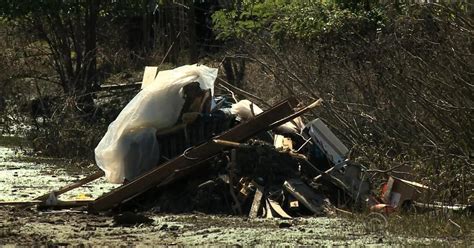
<point x="24" y="178"/>
<point x="28" y="227"/>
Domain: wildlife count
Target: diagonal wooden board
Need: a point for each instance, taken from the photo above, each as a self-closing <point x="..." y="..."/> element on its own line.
<point x="193" y="157"/>
<point x="278" y="209"/>
<point x="72" y="186"/>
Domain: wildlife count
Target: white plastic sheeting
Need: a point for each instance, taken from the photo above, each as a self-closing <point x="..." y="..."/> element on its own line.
<point x="129" y="147"/>
<point x="246" y="110"/>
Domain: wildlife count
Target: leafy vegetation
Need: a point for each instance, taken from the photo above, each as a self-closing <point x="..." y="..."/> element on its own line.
<point x="396" y="78"/>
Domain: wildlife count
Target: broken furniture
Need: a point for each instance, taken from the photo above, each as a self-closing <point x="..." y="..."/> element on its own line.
<point x="400" y="193"/>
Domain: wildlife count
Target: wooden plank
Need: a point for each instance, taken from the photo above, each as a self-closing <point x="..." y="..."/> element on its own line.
<point x="257" y="201"/>
<point x="269" y="214"/>
<point x="278" y="209"/>
<point x="305" y="195"/>
<point x="231" y="144"/>
<point x="193" y="157"/>
<point x="72" y="186"/>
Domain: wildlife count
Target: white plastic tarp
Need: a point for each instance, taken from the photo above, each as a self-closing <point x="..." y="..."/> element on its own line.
<point x="129" y="147"/>
<point x="246" y="110"/>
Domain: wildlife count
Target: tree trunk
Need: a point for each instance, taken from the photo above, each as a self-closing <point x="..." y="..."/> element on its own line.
<point x="88" y="82"/>
<point x="192" y="39"/>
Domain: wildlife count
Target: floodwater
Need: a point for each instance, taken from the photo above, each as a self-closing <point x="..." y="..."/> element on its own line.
<point x="23" y="179"/>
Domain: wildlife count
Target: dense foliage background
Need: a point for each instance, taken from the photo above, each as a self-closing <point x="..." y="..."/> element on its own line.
<point x="397" y="78"/>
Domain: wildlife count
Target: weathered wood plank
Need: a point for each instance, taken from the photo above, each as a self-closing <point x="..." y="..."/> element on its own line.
<point x="278" y="209"/>
<point x="257" y="201"/>
<point x="268" y="210"/>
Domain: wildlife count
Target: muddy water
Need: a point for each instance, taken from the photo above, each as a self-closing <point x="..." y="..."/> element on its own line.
<point x="23" y="181"/>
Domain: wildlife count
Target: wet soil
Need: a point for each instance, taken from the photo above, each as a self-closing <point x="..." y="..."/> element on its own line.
<point x="27" y="226"/>
<point x="23" y="178"/>
<point x="30" y="227"/>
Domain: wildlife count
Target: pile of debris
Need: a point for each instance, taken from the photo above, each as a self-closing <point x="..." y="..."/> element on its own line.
<point x="232" y="157"/>
<point x="176" y="147"/>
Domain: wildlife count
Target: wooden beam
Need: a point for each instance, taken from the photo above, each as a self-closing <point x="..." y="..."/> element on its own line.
<point x="193" y="157"/>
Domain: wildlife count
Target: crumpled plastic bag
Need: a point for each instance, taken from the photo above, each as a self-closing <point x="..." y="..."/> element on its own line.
<point x="129" y="147"/>
<point x="245" y="110"/>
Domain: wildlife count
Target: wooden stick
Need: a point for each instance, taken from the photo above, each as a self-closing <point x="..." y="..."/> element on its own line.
<point x="297" y="113"/>
<point x="242" y="92"/>
<point x="230" y="143"/>
<point x="72" y="186"/>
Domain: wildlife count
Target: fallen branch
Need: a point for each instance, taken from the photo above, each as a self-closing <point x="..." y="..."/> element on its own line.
<point x="242" y="92"/>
